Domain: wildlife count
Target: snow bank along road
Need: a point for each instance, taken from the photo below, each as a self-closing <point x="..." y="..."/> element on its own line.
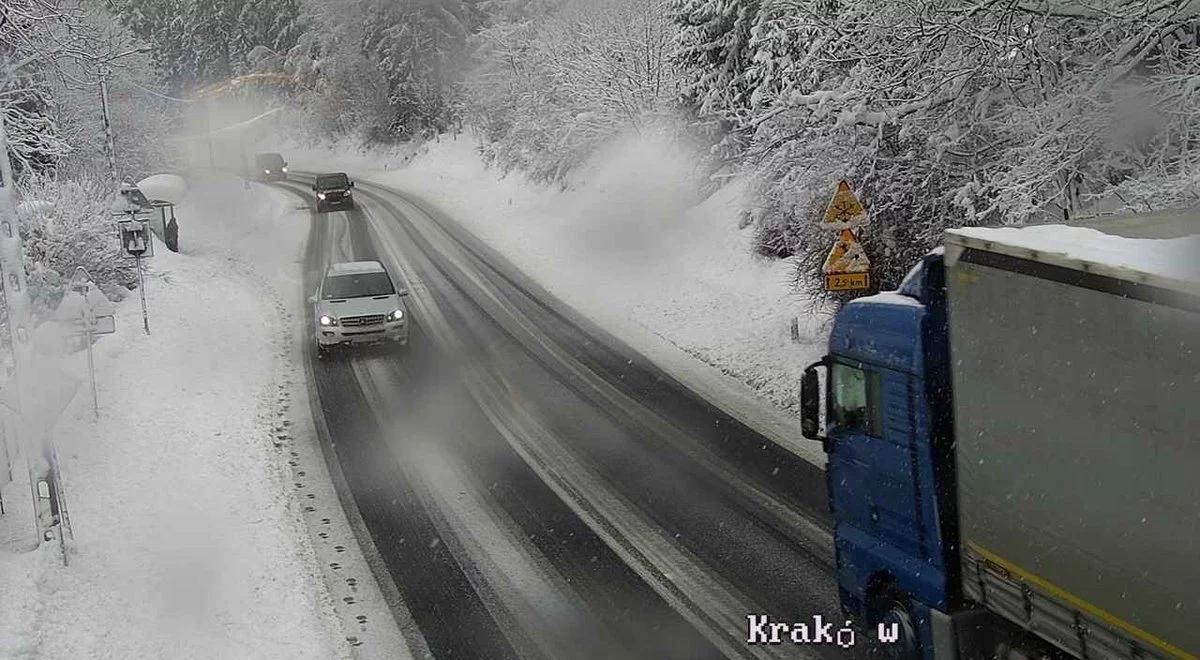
<point x="535" y="488"/>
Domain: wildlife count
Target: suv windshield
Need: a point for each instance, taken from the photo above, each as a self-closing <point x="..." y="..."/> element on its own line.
<point x="357" y="285"/>
<point x="273" y="161"/>
<point x="333" y="181"/>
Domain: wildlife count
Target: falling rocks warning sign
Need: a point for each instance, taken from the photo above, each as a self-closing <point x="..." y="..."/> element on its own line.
<point x="847" y="267"/>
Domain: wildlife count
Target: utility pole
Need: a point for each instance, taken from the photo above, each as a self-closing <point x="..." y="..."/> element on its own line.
<point x="109" y="145"/>
<point x="18" y="306"/>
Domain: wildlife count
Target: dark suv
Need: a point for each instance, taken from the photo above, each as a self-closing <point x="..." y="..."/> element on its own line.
<point x="333" y="192"/>
<point x="270" y="167"/>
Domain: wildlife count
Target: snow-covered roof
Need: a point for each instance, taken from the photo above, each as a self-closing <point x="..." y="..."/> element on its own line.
<point x="1172" y="263"/>
<point x="891" y="298"/>
<point x="169" y="187"/>
<point x="355" y="267"/>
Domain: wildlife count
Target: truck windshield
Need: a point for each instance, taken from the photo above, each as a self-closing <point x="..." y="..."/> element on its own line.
<point x="854" y="399"/>
<point x="357" y="285"/>
<point x="273" y="161"/>
<point x="333" y="182"/>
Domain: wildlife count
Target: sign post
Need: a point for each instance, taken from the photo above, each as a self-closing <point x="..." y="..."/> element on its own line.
<point x="136" y="242"/>
<point x="847" y="267"/>
<point x="87" y="312"/>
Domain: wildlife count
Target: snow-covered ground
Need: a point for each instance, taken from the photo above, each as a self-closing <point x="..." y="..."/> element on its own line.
<point x="188" y="539"/>
<point x="631" y="245"/>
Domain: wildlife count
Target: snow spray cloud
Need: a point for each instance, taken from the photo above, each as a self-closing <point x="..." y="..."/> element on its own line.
<point x="222" y="131"/>
<point x="629" y="206"/>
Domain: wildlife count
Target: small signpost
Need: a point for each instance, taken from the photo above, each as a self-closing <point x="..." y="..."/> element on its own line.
<point x="847" y="267"/>
<point x="137" y="243"/>
<point x="86" y="312"/>
<point x="134" y="234"/>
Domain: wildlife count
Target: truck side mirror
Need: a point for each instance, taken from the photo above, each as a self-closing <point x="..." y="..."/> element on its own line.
<point x="810" y="403"/>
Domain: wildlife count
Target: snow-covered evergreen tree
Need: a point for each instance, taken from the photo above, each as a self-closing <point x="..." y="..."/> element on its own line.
<point x="382" y="69"/>
<point x="715" y="53"/>
<point x="198" y="42"/>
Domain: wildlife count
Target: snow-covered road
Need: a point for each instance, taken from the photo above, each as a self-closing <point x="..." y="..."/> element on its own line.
<point x="633" y="248"/>
<point x="524" y="474"/>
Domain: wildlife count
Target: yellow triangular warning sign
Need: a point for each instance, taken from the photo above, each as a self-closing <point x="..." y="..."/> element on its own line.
<point x="847" y="256"/>
<point x="844" y="210"/>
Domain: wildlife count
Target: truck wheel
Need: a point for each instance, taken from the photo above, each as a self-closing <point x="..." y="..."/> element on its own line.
<point x="890" y="608"/>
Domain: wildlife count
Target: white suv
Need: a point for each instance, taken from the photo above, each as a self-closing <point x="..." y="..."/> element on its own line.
<point x="358" y="304"/>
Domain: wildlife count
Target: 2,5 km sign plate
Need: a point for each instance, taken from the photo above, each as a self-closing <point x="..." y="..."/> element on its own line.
<point x="847" y="281"/>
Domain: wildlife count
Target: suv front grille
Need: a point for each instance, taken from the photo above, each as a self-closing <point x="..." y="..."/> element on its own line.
<point x="358" y="321"/>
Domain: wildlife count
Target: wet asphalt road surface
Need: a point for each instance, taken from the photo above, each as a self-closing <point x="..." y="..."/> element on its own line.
<point x="535" y="488"/>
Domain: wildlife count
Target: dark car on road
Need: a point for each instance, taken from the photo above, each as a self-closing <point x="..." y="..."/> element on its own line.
<point x="333" y="192"/>
<point x="270" y="167"/>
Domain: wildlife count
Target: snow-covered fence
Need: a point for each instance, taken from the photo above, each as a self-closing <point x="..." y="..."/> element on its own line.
<point x="27" y="418"/>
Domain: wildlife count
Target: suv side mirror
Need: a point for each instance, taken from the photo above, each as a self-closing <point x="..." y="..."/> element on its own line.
<point x="314" y="187"/>
<point x="312" y="300"/>
<point x="351" y="184"/>
<point x="810" y="403"/>
<point x="404" y="293"/>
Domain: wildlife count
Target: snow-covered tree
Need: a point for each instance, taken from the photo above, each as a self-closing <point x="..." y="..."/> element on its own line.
<point x="715" y="53"/>
<point x="31" y="47"/>
<point x="53" y="53"/>
<point x="384" y="70"/>
<point x="548" y="90"/>
<point x="944" y="113"/>
<point x="199" y="42"/>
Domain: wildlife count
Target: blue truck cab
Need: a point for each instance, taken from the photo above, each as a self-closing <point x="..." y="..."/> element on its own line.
<point x="1047" y="505"/>
<point x="890" y="465"/>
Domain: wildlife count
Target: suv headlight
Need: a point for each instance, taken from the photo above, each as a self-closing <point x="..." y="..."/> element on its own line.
<point x="284" y="169"/>
<point x="266" y="171"/>
<point x="320" y="195"/>
<point x="346" y="192"/>
<point x="327" y="321"/>
<point x="396" y="315"/>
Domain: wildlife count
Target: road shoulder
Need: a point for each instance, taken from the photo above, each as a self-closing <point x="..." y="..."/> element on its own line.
<point x="187" y="542"/>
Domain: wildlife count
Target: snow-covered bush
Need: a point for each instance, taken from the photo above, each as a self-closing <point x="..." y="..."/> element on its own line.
<point x="552" y="86"/>
<point x="943" y="113"/>
<point x="66" y="224"/>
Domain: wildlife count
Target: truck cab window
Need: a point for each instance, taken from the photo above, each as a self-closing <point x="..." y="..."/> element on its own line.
<point x="854" y="399"/>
